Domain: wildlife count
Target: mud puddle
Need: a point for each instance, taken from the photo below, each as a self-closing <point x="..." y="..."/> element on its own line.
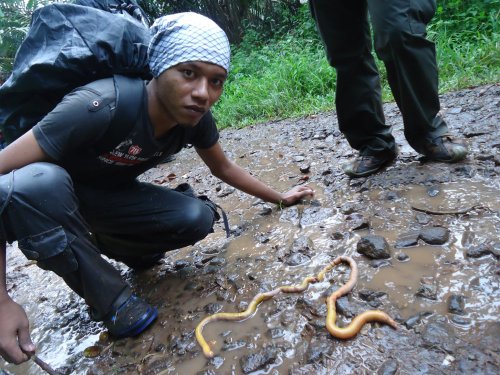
<point x="440" y="282"/>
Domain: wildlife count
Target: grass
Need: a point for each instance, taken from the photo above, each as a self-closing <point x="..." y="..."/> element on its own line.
<point x="289" y="77"/>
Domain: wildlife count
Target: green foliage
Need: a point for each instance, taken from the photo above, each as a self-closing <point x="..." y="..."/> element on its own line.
<point x="279" y="68"/>
<point x="288" y="76"/>
<point x="15" y="16"/>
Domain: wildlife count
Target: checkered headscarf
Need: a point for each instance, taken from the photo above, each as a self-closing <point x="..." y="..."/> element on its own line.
<point x="184" y="37"/>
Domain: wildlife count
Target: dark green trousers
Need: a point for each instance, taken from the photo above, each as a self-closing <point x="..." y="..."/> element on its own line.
<point x="399" y="29"/>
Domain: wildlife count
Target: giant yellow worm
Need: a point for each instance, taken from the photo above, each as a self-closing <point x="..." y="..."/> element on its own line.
<point x="347" y="332"/>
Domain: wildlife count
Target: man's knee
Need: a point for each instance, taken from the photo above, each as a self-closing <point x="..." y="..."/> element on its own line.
<point x="41" y="179"/>
<point x="198" y="220"/>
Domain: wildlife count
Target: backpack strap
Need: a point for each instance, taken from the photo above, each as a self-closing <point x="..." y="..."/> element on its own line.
<point x="128" y="102"/>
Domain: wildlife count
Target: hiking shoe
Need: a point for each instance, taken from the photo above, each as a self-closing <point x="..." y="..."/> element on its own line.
<point x="131" y="318"/>
<point x="363" y="166"/>
<point x="445" y="149"/>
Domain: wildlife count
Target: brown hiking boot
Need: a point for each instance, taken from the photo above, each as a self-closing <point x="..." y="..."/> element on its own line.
<point x="363" y="166"/>
<point x="445" y="149"/>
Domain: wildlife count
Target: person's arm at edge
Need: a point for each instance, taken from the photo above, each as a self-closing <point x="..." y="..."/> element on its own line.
<point x="15" y="341"/>
<point x="23" y="151"/>
<point x="231" y="173"/>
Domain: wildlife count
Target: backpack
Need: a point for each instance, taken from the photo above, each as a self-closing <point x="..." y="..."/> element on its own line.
<point x="67" y="47"/>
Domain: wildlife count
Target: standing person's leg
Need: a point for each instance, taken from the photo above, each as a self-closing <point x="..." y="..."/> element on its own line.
<point x="138" y="223"/>
<point x="344" y="29"/>
<point x="410" y="59"/>
<point x="39" y="209"/>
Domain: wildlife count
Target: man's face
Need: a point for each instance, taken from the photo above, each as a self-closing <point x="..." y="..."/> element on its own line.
<point x="186" y="91"/>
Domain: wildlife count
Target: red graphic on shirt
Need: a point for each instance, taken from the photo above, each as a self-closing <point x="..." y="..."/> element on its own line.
<point x="134" y="150"/>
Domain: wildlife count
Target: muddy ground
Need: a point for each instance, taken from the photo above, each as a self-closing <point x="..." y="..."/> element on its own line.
<point x="434" y="228"/>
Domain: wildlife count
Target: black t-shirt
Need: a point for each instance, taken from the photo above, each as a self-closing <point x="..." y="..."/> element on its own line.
<point x="72" y="132"/>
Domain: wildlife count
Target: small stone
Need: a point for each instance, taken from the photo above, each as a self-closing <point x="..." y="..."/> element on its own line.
<point x="427" y="291"/>
<point x="433" y="191"/>
<point x="389" y="367"/>
<point x="305" y="168"/>
<point x="407" y="239"/>
<point x="357" y="221"/>
<point x="213" y="308"/>
<point x="373" y="246"/>
<point x="402" y="257"/>
<point x="435" y="235"/>
<point x="379" y="263"/>
<point x="297" y="259"/>
<point x="455" y="110"/>
<point x="258" y="361"/>
<point x="438" y="335"/>
<point x="479" y="251"/>
<point x="392" y="196"/>
<point x="276" y="333"/>
<point x="180" y="264"/>
<point x="422" y="218"/>
<point x="266" y="210"/>
<point x="456" y="304"/>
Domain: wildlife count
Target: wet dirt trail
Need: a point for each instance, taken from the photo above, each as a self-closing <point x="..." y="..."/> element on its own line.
<point x="425" y="237"/>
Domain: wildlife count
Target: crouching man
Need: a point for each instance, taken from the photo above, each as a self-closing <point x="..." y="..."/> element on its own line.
<point x="67" y="199"/>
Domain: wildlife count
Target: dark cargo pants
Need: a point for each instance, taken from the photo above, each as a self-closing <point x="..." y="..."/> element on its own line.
<point x="399" y="28"/>
<point x="51" y="218"/>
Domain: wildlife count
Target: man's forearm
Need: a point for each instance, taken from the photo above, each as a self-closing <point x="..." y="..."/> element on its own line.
<point x="244" y="181"/>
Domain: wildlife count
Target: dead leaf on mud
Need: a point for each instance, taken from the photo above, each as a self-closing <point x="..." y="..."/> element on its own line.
<point x="92" y="351"/>
<point x="168" y="178"/>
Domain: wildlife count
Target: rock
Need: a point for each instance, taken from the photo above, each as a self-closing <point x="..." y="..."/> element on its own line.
<point x="479" y="251"/>
<point x="427" y="291"/>
<point x="456" y="304"/>
<point x="217" y="362"/>
<point x="460" y="320"/>
<point x="357" y="221"/>
<point x="422" y="218"/>
<point x="389" y="367"/>
<point x="180" y="264"/>
<point x="305" y="168"/>
<point x="374" y="247"/>
<point x="454" y="111"/>
<point x="370" y="295"/>
<point x="258" y="361"/>
<point x="379" y="263"/>
<point x="348" y="208"/>
<point x="402" y="257"/>
<point x="297" y="259"/>
<point x="217" y="261"/>
<point x="213" y="308"/>
<point x="233" y="345"/>
<point x="344" y="307"/>
<point x="438" y="335"/>
<point x="433" y="191"/>
<point x="407" y="239"/>
<point x="435" y="235"/>
<point x="225" y="192"/>
<point x="313" y="215"/>
<point x="414" y="320"/>
<point x="262" y="238"/>
<point x="266" y="210"/>
<point x="276" y="333"/>
<point x="336" y="236"/>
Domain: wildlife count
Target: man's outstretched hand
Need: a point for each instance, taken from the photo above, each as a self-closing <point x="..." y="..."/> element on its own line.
<point x="296" y="195"/>
<point x="15" y="341"/>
